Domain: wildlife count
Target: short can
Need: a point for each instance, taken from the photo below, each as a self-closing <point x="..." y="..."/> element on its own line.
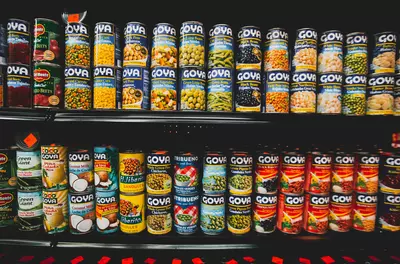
<point x="80" y="167"/>
<point x="186" y="214"/>
<point x="220" y="90"/>
<point x="354" y="95"/>
<point x="343" y="172"/>
<point x="19" y="86"/>
<point x="30" y="204"/>
<point x="186" y="173"/>
<point x="159" y="214"/>
<point x="136" y="45"/>
<point x="239" y="214"/>
<point x="240" y="181"/>
<point x="318" y="172"/>
<point x="77" y="88"/>
<point x="276" y="50"/>
<point x="292" y="175"/>
<point x="396" y="95"/>
<point x="164" y="89"/>
<point x="164" y="50"/>
<point x="47" y="91"/>
<point x="389" y="173"/>
<point x="366" y="172"/>
<point x="3" y="45"/>
<point x="159" y="172"/>
<point x="277" y="85"/>
<point x="135" y="88"/>
<point x="290" y="213"/>
<point x="105" y="87"/>
<point x="192" y="45"/>
<point x="248" y="90"/>
<point x="214" y="173"/>
<point x="212" y="214"/>
<point x="316" y="213"/>
<point x="107" y="212"/>
<point x="264" y="212"/>
<point x="266" y="172"/>
<point x="55" y="210"/>
<point x="82" y="213"/>
<point x="19" y="41"/>
<point x="356" y="54"/>
<point x="305" y="50"/>
<point x="249" y="54"/>
<point x="77" y="45"/>
<point x="54" y="167"/>
<point x="107" y="46"/>
<point x="303" y="89"/>
<point x="131" y="171"/>
<point x="383" y="57"/>
<point x="340" y="212"/>
<point x="8" y="175"/>
<point x="330" y="57"/>
<point x="132" y="212"/>
<point x="329" y="93"/>
<point x="192" y="89"/>
<point x="380" y="94"/>
<point x="29" y="170"/>
<point x="8" y="207"/>
<point x="221" y="47"/>
<point x="46" y="42"/>
<point x="106" y="168"/>
<point x="389" y="212"/>
<point x="364" y="211"/>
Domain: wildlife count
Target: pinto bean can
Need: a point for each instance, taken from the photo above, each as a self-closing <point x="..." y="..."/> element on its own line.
<point x="107" y="48"/>
<point x="81" y="213"/>
<point x="239" y="214"/>
<point x="340" y="212"/>
<point x="389" y="212"/>
<point x="343" y="172"/>
<point x="8" y="175"/>
<point x="29" y="170"/>
<point x="264" y="213"/>
<point x="266" y="172"/>
<point x="159" y="214"/>
<point x="186" y="173"/>
<point x="316" y="213"/>
<point x="80" y="165"/>
<point x="106" y="168"/>
<point x="186" y="214"/>
<point x="248" y="90"/>
<point x="330" y="58"/>
<point x="132" y="211"/>
<point x="159" y="171"/>
<point x="193" y="89"/>
<point x="240" y="173"/>
<point x="364" y="212"/>
<point x="290" y="213"/>
<point x="192" y="45"/>
<point x="214" y="173"/>
<point x="55" y="209"/>
<point x="318" y="172"/>
<point x="276" y="50"/>
<point x="389" y="173"/>
<point x="19" y="90"/>
<point x="19" y="41"/>
<point x="356" y="54"/>
<point x="305" y="50"/>
<point x="107" y="212"/>
<point x="221" y="47"/>
<point x="384" y="53"/>
<point x="46" y="40"/>
<point x="292" y="172"/>
<point x="212" y="214"/>
<point x="8" y="207"/>
<point x="354" y="95"/>
<point x="54" y="167"/>
<point x="77" y="88"/>
<point x="277" y="92"/>
<point x="303" y="90"/>
<point x="329" y="93"/>
<point x="249" y="55"/>
<point x="77" y="45"/>
<point x="164" y="49"/>
<point x="131" y="171"/>
<point x="136" y="45"/>
<point x="366" y="175"/>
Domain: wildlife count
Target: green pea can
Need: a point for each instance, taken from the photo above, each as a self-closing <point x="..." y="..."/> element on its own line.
<point x="47" y="90"/>
<point x="212" y="214"/>
<point x="46" y="47"/>
<point x="353" y="99"/>
<point x="356" y="54"/>
<point x="77" y="45"/>
<point x="8" y="178"/>
<point x="239" y="214"/>
<point x="193" y="92"/>
<point x="77" y="91"/>
<point x="240" y="180"/>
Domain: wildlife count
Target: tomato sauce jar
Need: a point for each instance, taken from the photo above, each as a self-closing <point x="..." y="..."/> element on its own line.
<point x="340" y="208"/>
<point x="364" y="211"/>
<point x="318" y="172"/>
<point x="292" y="172"/>
<point x="316" y="212"/>
<point x="290" y="213"/>
<point x="19" y="41"/>
<point x="343" y="172"/>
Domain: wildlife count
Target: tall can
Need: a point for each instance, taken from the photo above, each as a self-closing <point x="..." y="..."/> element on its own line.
<point x="135" y="88"/>
<point x="192" y="45"/>
<point x="132" y="211"/>
<point x="340" y="212"/>
<point x="192" y="89"/>
<point x="136" y="51"/>
<point x="239" y="214"/>
<point x="106" y="168"/>
<point x="343" y="172"/>
<point x="366" y="173"/>
<point x="81" y="213"/>
<point x="46" y="41"/>
<point x="292" y="172"/>
<point x="105" y="83"/>
<point x="212" y="214"/>
<point x="164" y="89"/>
<point x="19" y="41"/>
<point x="29" y="170"/>
<point x="3" y="45"/>
<point x="107" y="212"/>
<point x="77" y="45"/>
<point x="55" y="209"/>
<point x="221" y="47"/>
<point x="77" y="88"/>
<point x="389" y="173"/>
<point x="330" y="57"/>
<point x="318" y="172"/>
<point x="159" y="214"/>
<point x="290" y="213"/>
<point x="354" y="95"/>
<point x="8" y="207"/>
<point x="186" y="173"/>
<point x="132" y="171"/>
<point x="264" y="212"/>
<point x="380" y="94"/>
<point x="164" y="52"/>
<point x="383" y="57"/>
<point x="2" y="84"/>
<point x="305" y="51"/>
<point x="396" y="95"/>
<point x="8" y="174"/>
<point x="248" y="90"/>
<point x="186" y="214"/>
<point x="159" y="172"/>
<point x="47" y="91"/>
<point x="329" y="93"/>
<point x="54" y="167"/>
<point x="249" y="54"/>
<point x="107" y="46"/>
<point x="276" y="50"/>
<point x="220" y="89"/>
<point x="30" y="210"/>
<point x="316" y="212"/>
<point x="303" y="90"/>
<point x="277" y="84"/>
<point x="214" y="173"/>
<point x="19" y="85"/>
<point x="356" y="54"/>
<point x="364" y="212"/>
<point x="266" y="172"/>
<point x="388" y="212"/>
<point x="240" y="173"/>
<point x="80" y="167"/>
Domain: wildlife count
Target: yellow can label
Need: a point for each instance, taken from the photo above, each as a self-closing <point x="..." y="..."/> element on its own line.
<point x="131" y="172"/>
<point x="132" y="208"/>
<point x="55" y="209"/>
<point x="54" y="167"/>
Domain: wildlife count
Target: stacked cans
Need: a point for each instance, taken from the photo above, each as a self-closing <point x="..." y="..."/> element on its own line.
<point x="8" y="188"/>
<point x="3" y="63"/>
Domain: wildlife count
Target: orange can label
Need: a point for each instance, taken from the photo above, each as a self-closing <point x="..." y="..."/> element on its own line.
<point x="316" y="212"/>
<point x="290" y="213"/>
<point x="318" y="173"/>
<point x="292" y="173"/>
<point x="343" y="173"/>
<point x="340" y="209"/>
<point x="364" y="212"/>
<point x="366" y="178"/>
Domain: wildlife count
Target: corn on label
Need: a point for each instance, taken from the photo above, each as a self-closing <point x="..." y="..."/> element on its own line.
<point x="292" y="173"/>
<point x="267" y="172"/>
<point x="106" y="45"/>
<point x="132" y="211"/>
<point x="264" y="213"/>
<point x="55" y="208"/>
<point x="318" y="173"/>
<point x="54" y="160"/>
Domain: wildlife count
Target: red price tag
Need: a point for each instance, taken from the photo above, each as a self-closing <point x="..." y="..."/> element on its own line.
<point x="304" y="261"/>
<point x="374" y="259"/>
<point x="197" y="261"/>
<point x="104" y="260"/>
<point x="248" y="259"/>
<point x="30" y="140"/>
<point x="176" y="261"/>
<point x="48" y="261"/>
<point x="26" y="258"/>
<point x="328" y="259"/>
<point x="73" y="18"/>
<point x="277" y="260"/>
<point x="150" y="261"/>
<point x="348" y="259"/>
<point x="127" y="261"/>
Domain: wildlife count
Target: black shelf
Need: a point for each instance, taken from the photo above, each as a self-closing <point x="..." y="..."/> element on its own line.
<point x="23" y="114"/>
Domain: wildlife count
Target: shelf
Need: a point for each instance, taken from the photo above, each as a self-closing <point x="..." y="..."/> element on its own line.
<point x="23" y="114"/>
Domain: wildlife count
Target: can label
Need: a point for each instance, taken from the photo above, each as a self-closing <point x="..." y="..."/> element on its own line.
<point x="329" y="99"/>
<point x="343" y="173"/>
<point x="318" y="173"/>
<point x="81" y="177"/>
<point x="241" y="174"/>
<point x="302" y="92"/>
<point x="249" y="55"/>
<point x="193" y="89"/>
<point x="316" y="213"/>
<point x="276" y="50"/>
<point x="29" y="170"/>
<point x="46" y="40"/>
<point x="81" y="213"/>
<point x="131" y="208"/>
<point x="219" y="89"/>
<point x="77" y="45"/>
<point x="290" y="213"/>
<point x="106" y="168"/>
<point x="164" y="51"/>
<point x="389" y="211"/>
<point x="191" y="46"/>
<point x="30" y="204"/>
<point x="305" y="51"/>
<point x="380" y="94"/>
<point x="267" y="172"/>
<point x="135" y="88"/>
<point x="214" y="174"/>
<point x="384" y="54"/>
<point x="55" y="209"/>
<point x="131" y="172"/>
<point x="212" y="214"/>
<point x="186" y="214"/>
<point x="158" y="179"/>
<point x="47" y="85"/>
<point x="2" y="92"/>
<point x="186" y="174"/>
<point x="366" y="173"/>
<point x="277" y="91"/>
<point x="353" y="95"/>
<point x="340" y="212"/>
<point x="163" y="89"/>
<point x="248" y="90"/>
<point x="19" y="41"/>
<point x="107" y="212"/>
<point x="54" y="165"/>
<point x="389" y="173"/>
<point x="3" y="45"/>
<point x="8" y="207"/>
<point x="107" y="50"/>
<point x="292" y="173"/>
<point x="356" y="54"/>
<point x="330" y="58"/>
<point x="264" y="213"/>
<point x="396" y="94"/>
<point x="8" y="177"/>
<point x="159" y="214"/>
<point x="29" y="224"/>
<point x="239" y="214"/>
<point x="221" y="47"/>
<point x="19" y="90"/>
<point x="364" y="212"/>
<point x="104" y="88"/>
<point x="136" y="45"/>
<point x="77" y="91"/>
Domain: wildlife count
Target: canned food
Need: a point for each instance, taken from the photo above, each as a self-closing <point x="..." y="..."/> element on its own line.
<point x="305" y="50"/>
<point x="249" y="55"/>
<point x="356" y="54"/>
<point x="384" y="53"/>
<point x="354" y="92"/>
<point x="192" y="45"/>
<point x="77" y="45"/>
<point x="55" y="209"/>
<point x="131" y="208"/>
<point x="380" y="94"/>
<point x="19" y="41"/>
<point x="248" y="90"/>
<point x="330" y="58"/>
<point x="186" y="173"/>
<point x="276" y="50"/>
<point x="2" y="91"/>
<point x="30" y="204"/>
<point x="214" y="173"/>
<point x="135" y="88"/>
<point x="239" y="214"/>
<point x="107" y="48"/>
<point x="389" y="173"/>
<point x="340" y="212"/>
<point x="107" y="212"/>
<point x="267" y="172"/>
<point x="219" y="90"/>
<point x="316" y="212"/>
<point x="77" y="88"/>
<point x="343" y="172"/>
<point x="29" y="170"/>
<point x="47" y="91"/>
<point x="240" y="173"/>
<point x="186" y="214"/>
<point x="318" y="172"/>
<point x="54" y="166"/>
<point x="106" y="168"/>
<point x="8" y="207"/>
<point x="3" y="45"/>
<point x="290" y="213"/>
<point x="29" y="224"/>
<point x="46" y="34"/>
<point x="81" y="213"/>
<point x="163" y="89"/>
<point x="159" y="170"/>
<point x="221" y="47"/>
<point x="19" y="90"/>
<point x="212" y="214"/>
<point x="364" y="212"/>
<point x="277" y="91"/>
<point x="131" y="171"/>
<point x="159" y="214"/>
<point x="389" y="212"/>
<point x="396" y="95"/>
<point x="329" y="93"/>
<point x="264" y="213"/>
<point x="192" y="89"/>
<point x="8" y="177"/>
<point x="292" y="172"/>
<point x="80" y="167"/>
<point x="303" y="92"/>
<point x="164" y="51"/>
<point x="105" y="87"/>
<point x="366" y="175"/>
<point x="136" y="45"/>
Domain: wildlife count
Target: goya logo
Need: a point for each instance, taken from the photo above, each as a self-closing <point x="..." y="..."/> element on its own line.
<point x="186" y="158"/>
<point x="393" y="161"/>
<point x="364" y="198"/>
<point x="87" y="198"/>
<point x="219" y="73"/>
<point x="41" y="75"/>
<point x="357" y="39"/>
<point x="213" y="200"/>
<point x="277" y="34"/>
<point x="102" y="28"/>
<point x="393" y="199"/>
<point x="387" y="38"/>
<point x="334" y="36"/>
<point x="6" y="198"/>
<point x="158" y="160"/>
<point x="131" y="72"/>
<point x="397" y="83"/>
<point x="100" y="156"/>
<point x="217" y="160"/>
<point x="76" y="28"/>
<point x="106" y="200"/>
<point x="241" y="160"/>
<point x="103" y="71"/>
<point x="164" y="29"/>
<point x="50" y="198"/>
<point x="307" y="34"/>
<point x="79" y="157"/>
<point x="249" y="76"/>
<point x="278" y="77"/>
<point x="186" y="199"/>
<point x="135" y="28"/>
<point x="381" y="80"/>
<point x="39" y="30"/>
<point x="319" y="200"/>
<point x="50" y="156"/>
<point x="194" y="74"/>
<point x="221" y="30"/>
<point x="76" y="72"/>
<point x="294" y="200"/>
<point x="194" y="28"/>
<point x="356" y="79"/>
<point x="369" y="160"/>
<point x="249" y="33"/>
<point x="294" y="159"/>
<point x="266" y="199"/>
<point x="163" y="73"/>
<point x="17" y="26"/>
<point x="305" y="77"/>
<point x="342" y="198"/>
<point x="322" y="160"/>
<point x="3" y="158"/>
<point x="268" y="159"/>
<point x="239" y="200"/>
<point x="344" y="159"/>
<point x="331" y="78"/>
<point x="158" y="201"/>
<point x="17" y="70"/>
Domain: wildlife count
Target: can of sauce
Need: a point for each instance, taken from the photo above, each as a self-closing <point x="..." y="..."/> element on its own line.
<point x="290" y="213"/>
<point x="239" y="214"/>
<point x="316" y="212"/>
<point x="343" y="172"/>
<point x="366" y="175"/>
<point x="266" y="172"/>
<point x="340" y="212"/>
<point x="264" y="213"/>
<point x="318" y="172"/>
<point x="364" y="211"/>
<point x="292" y="172"/>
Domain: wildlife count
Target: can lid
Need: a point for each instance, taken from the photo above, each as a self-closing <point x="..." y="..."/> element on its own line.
<point x="28" y="141"/>
<point x="46" y="19"/>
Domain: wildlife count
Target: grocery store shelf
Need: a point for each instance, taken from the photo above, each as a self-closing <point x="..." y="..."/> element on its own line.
<point x="22" y="114"/>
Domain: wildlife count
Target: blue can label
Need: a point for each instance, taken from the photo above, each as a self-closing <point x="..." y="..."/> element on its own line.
<point x="221" y="47"/>
<point x="3" y="45"/>
<point x="186" y="176"/>
<point x="330" y="93"/>
<point x="164" y="51"/>
<point x="219" y="89"/>
<point x="305" y="50"/>
<point x="212" y="214"/>
<point x="135" y="88"/>
<point x="107" y="212"/>
<point x="303" y="92"/>
<point x="396" y="94"/>
<point x="384" y="53"/>
<point x="77" y="45"/>
<point x="193" y="93"/>
<point x="106" y="168"/>
<point x="81" y="213"/>
<point x="277" y="91"/>
<point x="214" y="174"/>
<point x="249" y="54"/>
<point x="77" y="82"/>
<point x="276" y="50"/>
<point x="107" y="49"/>
<point x="353" y="98"/>
<point x="380" y="94"/>
<point x="136" y="45"/>
<point x="186" y="214"/>
<point x="191" y="47"/>
<point x="330" y="58"/>
<point x="19" y="41"/>
<point x="163" y="89"/>
<point x="356" y="54"/>
<point x="104" y="88"/>
<point x="248" y="90"/>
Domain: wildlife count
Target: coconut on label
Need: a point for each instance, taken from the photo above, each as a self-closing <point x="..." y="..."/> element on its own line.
<point x="81" y="176"/>
<point x="81" y="212"/>
<point x="107" y="212"/>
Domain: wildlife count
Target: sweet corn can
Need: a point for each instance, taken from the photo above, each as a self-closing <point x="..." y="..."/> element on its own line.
<point x="107" y="47"/>
<point x="136" y="45"/>
<point x="104" y="88"/>
<point x="131" y="172"/>
<point x="54" y="167"/>
<point x="132" y="212"/>
<point x="164" y="51"/>
<point x="55" y="209"/>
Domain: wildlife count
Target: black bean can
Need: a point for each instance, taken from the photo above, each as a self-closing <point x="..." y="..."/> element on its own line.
<point x="239" y="214"/>
<point x="389" y="173"/>
<point x="249" y="55"/>
<point x="264" y="212"/>
<point x="248" y="90"/>
<point x="389" y="212"/>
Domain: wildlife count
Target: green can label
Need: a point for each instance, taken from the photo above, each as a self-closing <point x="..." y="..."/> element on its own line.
<point x="8" y="177"/>
<point x="46" y="40"/>
<point x="8" y="207"/>
<point x="47" y="85"/>
<point x="29" y="170"/>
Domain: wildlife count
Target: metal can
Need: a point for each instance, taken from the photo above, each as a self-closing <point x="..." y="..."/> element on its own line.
<point x="330" y="58"/>
<point x="19" y="41"/>
<point x="240" y="173"/>
<point x="192" y="45"/>
<point x="107" y="47"/>
<point x="214" y="173"/>
<point x="316" y="212"/>
<point x="55" y="209"/>
<point x="249" y="54"/>
<point x="8" y="207"/>
<point x="276" y="50"/>
<point x="131" y="171"/>
<point x="2" y="84"/>
<point x="47" y="91"/>
<point x="77" y="45"/>
<point x="163" y="89"/>
<point x="19" y="90"/>
<point x="329" y="97"/>
<point x="30" y="210"/>
<point x="29" y="224"/>
<point x="396" y="94"/>
<point x="340" y="212"/>
<point x="264" y="213"/>
<point x="389" y="173"/>
<point x="29" y="170"/>
<point x="159" y="214"/>
<point x="266" y="172"/>
<point x="3" y="46"/>
<point x="221" y="47"/>
<point x="389" y="212"/>
<point x="290" y="213"/>
<point x="132" y="211"/>
<point x="8" y="177"/>
<point x="46" y="41"/>
<point x="54" y="166"/>
<point x="77" y="88"/>
<point x="186" y="214"/>
<point x="81" y="213"/>
<point x="135" y="88"/>
<point x="107" y="212"/>
<point x="136" y="45"/>
<point x="305" y="50"/>
<point x="248" y="90"/>
<point x="343" y="172"/>
<point x="356" y="54"/>
<point x="364" y="212"/>
<point x="353" y="95"/>
<point x="105" y="84"/>
<point x="380" y="94"/>
<point x="80" y="167"/>
<point x="366" y="173"/>
<point x="303" y="93"/>
<point x="106" y="168"/>
<point x="212" y="214"/>
<point x="192" y="89"/>
<point x="219" y="89"/>
<point x="384" y="53"/>
<point x="318" y="172"/>
<point x="159" y="171"/>
<point x="292" y="172"/>
<point x="164" y="51"/>
<point x="239" y="214"/>
<point x="276" y="85"/>
<point x="186" y="173"/>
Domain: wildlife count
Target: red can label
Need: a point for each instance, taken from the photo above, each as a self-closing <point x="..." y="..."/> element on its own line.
<point x="264" y="213"/>
<point x="366" y="173"/>
<point x="316" y="213"/>
<point x="318" y="173"/>
<point x="364" y="212"/>
<point x="343" y="173"/>
<point x="340" y="207"/>
<point x="267" y="171"/>
<point x="290" y="213"/>
<point x="292" y="173"/>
